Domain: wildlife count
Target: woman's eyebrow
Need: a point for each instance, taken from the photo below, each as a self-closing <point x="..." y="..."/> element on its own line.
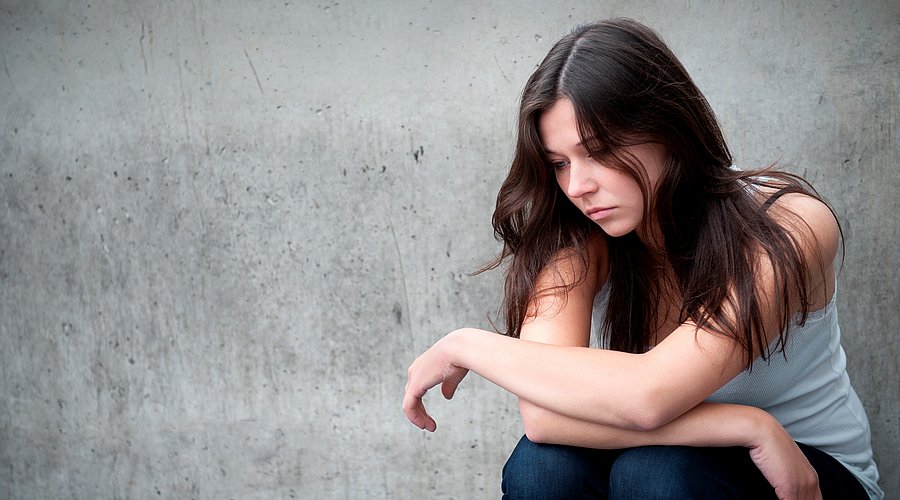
<point x="579" y="144"/>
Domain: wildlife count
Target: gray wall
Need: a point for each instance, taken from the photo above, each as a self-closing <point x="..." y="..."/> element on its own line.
<point x="226" y="228"/>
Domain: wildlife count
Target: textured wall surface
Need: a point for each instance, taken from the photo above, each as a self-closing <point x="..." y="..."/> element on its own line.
<point x="227" y="227"/>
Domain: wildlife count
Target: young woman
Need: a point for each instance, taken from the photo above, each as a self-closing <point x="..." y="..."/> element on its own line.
<point x="712" y="290"/>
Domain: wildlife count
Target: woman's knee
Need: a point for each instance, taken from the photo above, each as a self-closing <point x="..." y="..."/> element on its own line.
<point x="670" y="472"/>
<point x="549" y="471"/>
<point x="651" y="472"/>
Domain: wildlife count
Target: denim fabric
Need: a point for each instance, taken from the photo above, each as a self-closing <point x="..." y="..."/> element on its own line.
<point x="542" y="471"/>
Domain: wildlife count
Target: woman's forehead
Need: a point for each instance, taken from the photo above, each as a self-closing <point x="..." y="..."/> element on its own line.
<point x="558" y="127"/>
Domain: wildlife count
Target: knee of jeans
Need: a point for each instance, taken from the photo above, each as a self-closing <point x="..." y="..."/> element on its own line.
<point x="652" y="472"/>
<point x="546" y="471"/>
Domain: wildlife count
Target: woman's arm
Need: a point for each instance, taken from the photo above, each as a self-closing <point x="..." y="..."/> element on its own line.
<point x="630" y="391"/>
<point x="552" y="368"/>
<point x="707" y="424"/>
<point x="771" y="448"/>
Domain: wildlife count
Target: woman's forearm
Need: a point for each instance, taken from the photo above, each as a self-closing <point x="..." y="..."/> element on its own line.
<point x="541" y="373"/>
<point x="636" y="391"/>
<point x="707" y="424"/>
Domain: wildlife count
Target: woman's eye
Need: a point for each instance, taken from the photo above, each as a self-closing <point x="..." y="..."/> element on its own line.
<point x="559" y="164"/>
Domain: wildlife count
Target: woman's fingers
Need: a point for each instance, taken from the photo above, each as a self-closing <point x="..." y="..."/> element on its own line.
<point x="415" y="412"/>
<point x="431" y="368"/>
<point x="413" y="406"/>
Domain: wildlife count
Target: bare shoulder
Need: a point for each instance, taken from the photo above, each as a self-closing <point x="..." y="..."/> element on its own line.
<point x="571" y="268"/>
<point x="812" y="223"/>
<point x="816" y="232"/>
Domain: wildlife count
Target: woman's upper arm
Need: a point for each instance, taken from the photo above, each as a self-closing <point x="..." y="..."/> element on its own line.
<point x="560" y="311"/>
<point x="816" y="230"/>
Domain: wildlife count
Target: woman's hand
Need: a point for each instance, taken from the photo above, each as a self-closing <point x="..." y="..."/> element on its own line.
<point x="434" y="366"/>
<point x="784" y="465"/>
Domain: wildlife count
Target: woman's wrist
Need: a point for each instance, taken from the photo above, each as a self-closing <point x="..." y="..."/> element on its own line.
<point x="458" y="346"/>
<point x="762" y="428"/>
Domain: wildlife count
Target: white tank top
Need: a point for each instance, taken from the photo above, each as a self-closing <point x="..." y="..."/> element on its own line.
<point x="807" y="390"/>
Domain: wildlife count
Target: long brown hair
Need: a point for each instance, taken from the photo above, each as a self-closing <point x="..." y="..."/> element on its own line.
<point x="627" y="88"/>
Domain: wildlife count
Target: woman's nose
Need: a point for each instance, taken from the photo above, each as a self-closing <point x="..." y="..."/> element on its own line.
<point x="581" y="179"/>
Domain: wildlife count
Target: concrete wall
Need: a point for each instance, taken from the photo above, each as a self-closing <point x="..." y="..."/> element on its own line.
<point x="226" y="228"/>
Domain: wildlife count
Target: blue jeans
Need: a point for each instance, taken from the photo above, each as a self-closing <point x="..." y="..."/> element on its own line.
<point x="546" y="471"/>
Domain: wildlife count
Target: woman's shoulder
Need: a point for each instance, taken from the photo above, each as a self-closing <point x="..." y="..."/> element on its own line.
<point x="813" y="227"/>
<point x="585" y="267"/>
<point x="792" y="202"/>
<point x="810" y="221"/>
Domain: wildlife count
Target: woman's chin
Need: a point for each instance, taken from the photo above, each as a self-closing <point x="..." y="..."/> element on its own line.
<point x="615" y="230"/>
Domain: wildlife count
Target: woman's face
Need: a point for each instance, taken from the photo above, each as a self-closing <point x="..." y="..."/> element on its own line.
<point x="605" y="194"/>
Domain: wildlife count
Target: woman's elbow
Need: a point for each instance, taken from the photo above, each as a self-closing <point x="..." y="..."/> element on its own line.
<point x="538" y="427"/>
<point x="649" y="414"/>
<point x="647" y="420"/>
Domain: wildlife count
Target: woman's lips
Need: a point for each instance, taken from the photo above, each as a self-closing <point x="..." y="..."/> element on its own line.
<point x="598" y="213"/>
